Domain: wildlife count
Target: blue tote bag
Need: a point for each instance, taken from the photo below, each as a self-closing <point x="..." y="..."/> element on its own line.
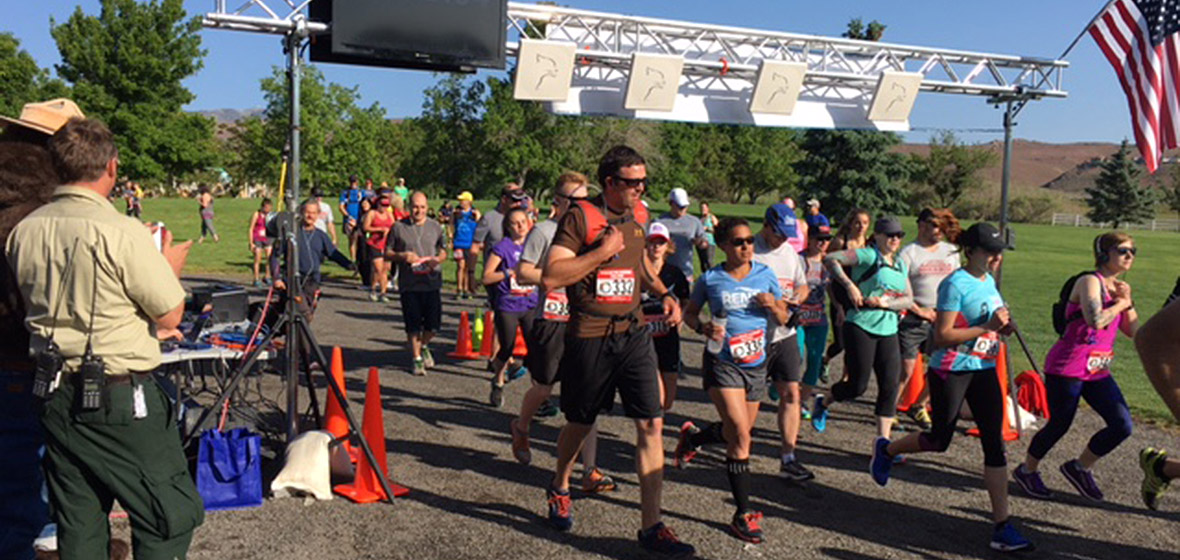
<point x="229" y="469"/>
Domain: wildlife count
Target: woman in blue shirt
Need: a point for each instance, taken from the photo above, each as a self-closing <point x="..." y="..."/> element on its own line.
<point x="970" y="318"/>
<point x="745" y="301"/>
<point x="465" y="218"/>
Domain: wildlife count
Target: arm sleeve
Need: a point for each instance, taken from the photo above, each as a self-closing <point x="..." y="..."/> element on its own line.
<point x="146" y="275"/>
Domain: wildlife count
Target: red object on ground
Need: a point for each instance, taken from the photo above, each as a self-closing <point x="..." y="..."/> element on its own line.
<point x="1031" y="393"/>
<point x="520" y="349"/>
<point x="366" y="488"/>
<point x="489" y="334"/>
<point x="334" y="420"/>
<point x="463" y="349"/>
<point x="915" y="386"/>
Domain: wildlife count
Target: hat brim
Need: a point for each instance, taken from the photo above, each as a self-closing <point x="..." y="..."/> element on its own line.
<point x="5" y="121"/>
<point x="658" y="236"/>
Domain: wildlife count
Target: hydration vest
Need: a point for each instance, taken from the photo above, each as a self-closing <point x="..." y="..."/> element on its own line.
<point x="596" y="221"/>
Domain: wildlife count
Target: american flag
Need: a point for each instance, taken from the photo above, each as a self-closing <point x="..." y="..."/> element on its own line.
<point x="1139" y="38"/>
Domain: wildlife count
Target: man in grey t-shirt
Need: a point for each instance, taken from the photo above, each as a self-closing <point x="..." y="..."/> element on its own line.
<point x="419" y="250"/>
<point x="685" y="229"/>
<point x="929" y="260"/>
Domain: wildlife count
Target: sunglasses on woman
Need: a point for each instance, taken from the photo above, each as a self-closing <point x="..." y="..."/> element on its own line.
<point x="1124" y="251"/>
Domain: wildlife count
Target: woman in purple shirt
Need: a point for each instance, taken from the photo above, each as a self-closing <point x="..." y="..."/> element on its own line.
<point x="1078" y="367"/>
<point x="514" y="303"/>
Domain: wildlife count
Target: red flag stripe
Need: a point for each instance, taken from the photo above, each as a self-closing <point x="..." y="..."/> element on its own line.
<point x="1116" y="44"/>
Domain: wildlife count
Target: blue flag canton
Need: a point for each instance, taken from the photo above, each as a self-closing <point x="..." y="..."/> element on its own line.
<point x="1162" y="17"/>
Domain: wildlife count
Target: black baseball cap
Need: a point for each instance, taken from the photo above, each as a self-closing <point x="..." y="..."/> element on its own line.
<point x="983" y="236"/>
<point x="925" y="214"/>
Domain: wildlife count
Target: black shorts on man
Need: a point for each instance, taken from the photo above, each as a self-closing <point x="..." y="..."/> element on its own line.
<point x="546" y="344"/>
<point x="915" y="335"/>
<point x="593" y="370"/>
<point x="668" y="352"/>
<point x="422" y="311"/>
<point x="783" y="361"/>
<point x="724" y="375"/>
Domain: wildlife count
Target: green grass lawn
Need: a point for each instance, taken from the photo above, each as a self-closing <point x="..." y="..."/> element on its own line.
<point x="1045" y="257"/>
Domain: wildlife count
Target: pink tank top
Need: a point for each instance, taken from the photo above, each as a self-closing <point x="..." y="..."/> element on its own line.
<point x="1084" y="352"/>
<point x="259" y="230"/>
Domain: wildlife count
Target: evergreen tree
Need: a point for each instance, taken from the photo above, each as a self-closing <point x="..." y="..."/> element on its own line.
<point x="22" y="80"/>
<point x="1117" y="196"/>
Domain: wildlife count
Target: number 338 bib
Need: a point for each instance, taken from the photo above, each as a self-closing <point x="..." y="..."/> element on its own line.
<point x="747" y="348"/>
<point x="614" y="286"/>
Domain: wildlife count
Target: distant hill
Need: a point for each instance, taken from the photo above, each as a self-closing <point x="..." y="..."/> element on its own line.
<point x="229" y="116"/>
<point x="1034" y="164"/>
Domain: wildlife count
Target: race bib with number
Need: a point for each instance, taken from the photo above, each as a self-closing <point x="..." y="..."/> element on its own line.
<point x="1099" y="362"/>
<point x="556" y="306"/>
<point x="515" y="289"/>
<point x="424" y="266"/>
<point x="748" y="348"/>
<point x="658" y="325"/>
<point x="614" y="286"/>
<point x="986" y="347"/>
<point x="811" y="314"/>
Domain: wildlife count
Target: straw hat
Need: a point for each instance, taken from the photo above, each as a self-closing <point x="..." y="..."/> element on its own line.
<point x="47" y="116"/>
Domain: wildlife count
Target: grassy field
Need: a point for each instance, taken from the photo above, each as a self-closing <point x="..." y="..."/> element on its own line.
<point x="1033" y="274"/>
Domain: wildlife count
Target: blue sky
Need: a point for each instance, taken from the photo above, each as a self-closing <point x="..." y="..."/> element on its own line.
<point x="1095" y="111"/>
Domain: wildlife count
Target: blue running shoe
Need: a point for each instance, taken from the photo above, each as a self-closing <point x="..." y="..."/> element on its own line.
<point x="1007" y="539"/>
<point x="517" y="373"/>
<point x="819" y="414"/>
<point x="881" y="462"/>
<point x="561" y="515"/>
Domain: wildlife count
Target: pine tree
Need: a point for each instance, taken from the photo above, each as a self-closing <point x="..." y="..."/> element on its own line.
<point x="1117" y="196"/>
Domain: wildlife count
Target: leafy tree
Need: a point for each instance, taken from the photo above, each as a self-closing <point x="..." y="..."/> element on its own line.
<point x="453" y="153"/>
<point x="1117" y="196"/>
<point x="951" y="171"/>
<point x="1171" y="194"/>
<point x="21" y="79"/>
<point x="126" y="66"/>
<point x="858" y="30"/>
<point x="764" y="159"/>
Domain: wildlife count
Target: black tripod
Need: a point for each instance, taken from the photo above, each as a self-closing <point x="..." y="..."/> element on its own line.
<point x="298" y="333"/>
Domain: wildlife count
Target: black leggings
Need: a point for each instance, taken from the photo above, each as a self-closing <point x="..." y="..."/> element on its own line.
<point x="981" y="390"/>
<point x="506" y="324"/>
<point x="836" y="313"/>
<point x="867" y="353"/>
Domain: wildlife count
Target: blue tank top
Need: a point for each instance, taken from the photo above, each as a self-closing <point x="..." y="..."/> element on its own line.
<point x="464" y="228"/>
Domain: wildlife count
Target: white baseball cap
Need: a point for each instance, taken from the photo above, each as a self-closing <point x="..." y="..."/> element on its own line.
<point x="679" y="197"/>
<point x="658" y="230"/>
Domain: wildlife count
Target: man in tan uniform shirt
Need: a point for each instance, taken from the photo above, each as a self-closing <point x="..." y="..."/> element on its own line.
<point x="78" y="263"/>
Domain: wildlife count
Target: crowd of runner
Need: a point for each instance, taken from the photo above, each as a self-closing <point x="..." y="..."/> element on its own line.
<point x="601" y="292"/>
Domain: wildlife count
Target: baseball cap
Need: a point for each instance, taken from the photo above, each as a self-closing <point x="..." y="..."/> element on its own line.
<point x="46" y="117"/>
<point x="465" y="195"/>
<point x="819" y="231"/>
<point x="782" y="219"/>
<point x="925" y="214"/>
<point x="658" y="230"/>
<point x="984" y="236"/>
<point x="888" y="225"/>
<point x="812" y="202"/>
<point x="679" y="197"/>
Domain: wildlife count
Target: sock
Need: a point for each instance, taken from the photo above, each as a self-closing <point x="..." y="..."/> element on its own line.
<point x="739" y="482"/>
<point x="1159" y="470"/>
<point x="711" y="434"/>
<point x="788" y="458"/>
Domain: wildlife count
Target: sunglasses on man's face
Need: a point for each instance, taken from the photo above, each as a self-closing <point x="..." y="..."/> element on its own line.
<point x="1124" y="251"/>
<point x="741" y="241"/>
<point x="898" y="235"/>
<point x="630" y="183"/>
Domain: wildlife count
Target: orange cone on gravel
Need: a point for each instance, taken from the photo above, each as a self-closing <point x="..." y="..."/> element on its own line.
<point x="485" y="347"/>
<point x="366" y="488"/>
<point x="915" y="386"/>
<point x="463" y="349"/>
<point x="520" y="349"/>
<point x="334" y="420"/>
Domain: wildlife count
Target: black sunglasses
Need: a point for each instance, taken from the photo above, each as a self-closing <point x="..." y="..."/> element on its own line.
<point x="897" y="235"/>
<point x="740" y="241"/>
<point x="1124" y="251"/>
<point x="631" y="183"/>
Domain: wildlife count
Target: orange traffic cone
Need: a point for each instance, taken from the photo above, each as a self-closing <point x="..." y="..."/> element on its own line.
<point x="366" y="488"/>
<point x="1009" y="432"/>
<point x="489" y="335"/>
<point x="334" y="421"/>
<point x="520" y="349"/>
<point x="914" y="387"/>
<point x="463" y="350"/>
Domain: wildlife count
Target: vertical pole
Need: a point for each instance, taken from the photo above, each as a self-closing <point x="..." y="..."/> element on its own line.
<point x="294" y="282"/>
<point x="1005" y="182"/>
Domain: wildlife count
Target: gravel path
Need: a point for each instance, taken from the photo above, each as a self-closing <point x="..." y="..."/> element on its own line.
<point x="470" y="499"/>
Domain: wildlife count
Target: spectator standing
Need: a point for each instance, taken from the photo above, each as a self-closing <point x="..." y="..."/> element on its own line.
<point x="401" y="190"/>
<point x="418" y="249"/>
<point x="205" y="199"/>
<point x="327" y="222"/>
<point x="350" y="212"/>
<point x="709" y="222"/>
<point x="686" y="231"/>
<point x="814" y="216"/>
<point x="465" y="219"/>
<point x="260" y="244"/>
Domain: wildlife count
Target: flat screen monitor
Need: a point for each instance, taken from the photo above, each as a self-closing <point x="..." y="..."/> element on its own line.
<point x="452" y="35"/>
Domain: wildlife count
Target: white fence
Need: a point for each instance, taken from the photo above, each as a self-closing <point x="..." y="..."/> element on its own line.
<point x="1077" y="220"/>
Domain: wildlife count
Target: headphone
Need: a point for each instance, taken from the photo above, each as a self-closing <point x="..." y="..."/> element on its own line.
<point x="1100" y="256"/>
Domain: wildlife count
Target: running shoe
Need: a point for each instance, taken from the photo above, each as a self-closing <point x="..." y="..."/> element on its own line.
<point x="1031" y="483"/>
<point x="257" y="284"/>
<point x="1007" y="539"/>
<point x="384" y="298"/>
<point x="372" y="296"/>
<point x="520" y="444"/>
<point x="594" y="482"/>
<point x="819" y="414"/>
<point x="561" y="516"/>
<point x="517" y="372"/>
<point x="661" y="540"/>
<point x="428" y="356"/>
<point x="794" y="471"/>
<point x="805" y="413"/>
<point x="1153" y="484"/>
<point x="546" y="410"/>
<point x="773" y="392"/>
<point x="685" y="451"/>
<point x="419" y="367"/>
<point x="881" y="462"/>
<point x="747" y="526"/>
<point x="825" y="376"/>
<point x="496" y="397"/>
<point x="921" y="417"/>
<point x="1082" y="480"/>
